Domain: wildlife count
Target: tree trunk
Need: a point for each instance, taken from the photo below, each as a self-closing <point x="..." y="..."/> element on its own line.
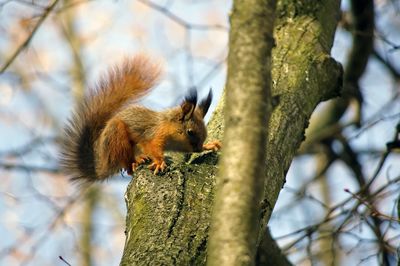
<point x="169" y="215"/>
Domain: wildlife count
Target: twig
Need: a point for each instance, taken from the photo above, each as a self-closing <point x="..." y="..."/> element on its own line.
<point x="29" y="38"/>
<point x="28" y="168"/>
<point x="63" y="260"/>
<point x="181" y="21"/>
<point x="374" y="211"/>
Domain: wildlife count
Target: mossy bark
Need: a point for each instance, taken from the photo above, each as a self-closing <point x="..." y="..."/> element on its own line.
<point x="169" y="215"/>
<point x="304" y="75"/>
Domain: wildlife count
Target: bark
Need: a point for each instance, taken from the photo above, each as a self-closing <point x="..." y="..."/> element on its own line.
<point x="304" y="74"/>
<point x="272" y="254"/>
<point x="169" y="215"/>
<point x="235" y="222"/>
<point x="362" y="28"/>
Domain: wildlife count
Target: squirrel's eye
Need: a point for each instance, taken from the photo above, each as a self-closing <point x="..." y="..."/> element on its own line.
<point x="190" y="132"/>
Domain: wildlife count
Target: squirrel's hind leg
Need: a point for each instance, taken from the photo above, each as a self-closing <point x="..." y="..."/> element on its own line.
<point x="117" y="146"/>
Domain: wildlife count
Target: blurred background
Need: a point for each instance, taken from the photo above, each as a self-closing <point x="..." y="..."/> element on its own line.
<point x="51" y="52"/>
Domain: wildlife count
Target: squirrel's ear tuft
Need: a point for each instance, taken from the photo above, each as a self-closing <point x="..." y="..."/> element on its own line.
<point x="189" y="104"/>
<point x="205" y="104"/>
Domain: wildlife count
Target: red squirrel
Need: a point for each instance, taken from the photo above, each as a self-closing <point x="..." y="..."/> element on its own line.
<point x="108" y="131"/>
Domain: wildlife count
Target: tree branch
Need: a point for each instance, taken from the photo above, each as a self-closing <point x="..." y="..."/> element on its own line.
<point x="169" y="215"/>
<point x="29" y="38"/>
<point x="235" y="223"/>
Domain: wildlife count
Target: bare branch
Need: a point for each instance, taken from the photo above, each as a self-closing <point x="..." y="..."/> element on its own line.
<point x="24" y="44"/>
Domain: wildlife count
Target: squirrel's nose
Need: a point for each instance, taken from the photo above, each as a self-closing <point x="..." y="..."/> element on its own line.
<point x="198" y="148"/>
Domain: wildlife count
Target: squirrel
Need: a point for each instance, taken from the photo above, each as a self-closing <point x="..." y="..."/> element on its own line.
<point x="109" y="131"/>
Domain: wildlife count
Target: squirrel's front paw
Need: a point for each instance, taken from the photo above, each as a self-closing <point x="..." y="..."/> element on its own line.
<point x="214" y="145"/>
<point x="158" y="166"/>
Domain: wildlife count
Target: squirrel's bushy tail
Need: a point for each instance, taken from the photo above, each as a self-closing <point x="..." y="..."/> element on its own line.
<point x="122" y="84"/>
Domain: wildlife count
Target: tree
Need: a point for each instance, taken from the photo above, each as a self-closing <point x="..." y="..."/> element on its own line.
<point x="337" y="200"/>
<point x="169" y="216"/>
